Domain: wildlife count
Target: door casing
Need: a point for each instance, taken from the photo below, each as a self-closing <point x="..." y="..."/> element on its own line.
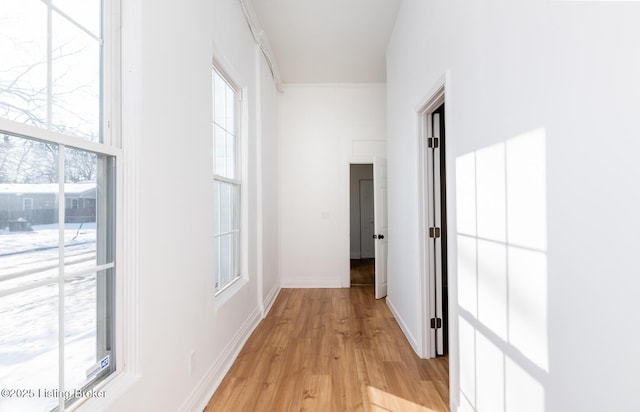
<point x="428" y="105"/>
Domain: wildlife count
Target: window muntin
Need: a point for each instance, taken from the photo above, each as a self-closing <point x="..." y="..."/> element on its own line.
<point x="226" y="182"/>
<point x="57" y="260"/>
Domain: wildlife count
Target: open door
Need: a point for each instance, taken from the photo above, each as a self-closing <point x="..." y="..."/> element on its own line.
<point x="380" y="225"/>
<point x="437" y="236"/>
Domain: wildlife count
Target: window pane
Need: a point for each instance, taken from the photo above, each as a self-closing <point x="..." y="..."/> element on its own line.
<point x="230" y="111"/>
<point x="23" y="62"/>
<point x="80" y="209"/>
<point x="89" y="209"/>
<point x="236" y="254"/>
<point x="231" y="157"/>
<point x="85" y="12"/>
<point x="216" y="252"/>
<point x="76" y="81"/>
<point x="29" y="255"/>
<point x="80" y="330"/>
<point x="220" y="152"/>
<point x="28" y="235"/>
<point x="236" y="207"/>
<point x="29" y="355"/>
<point x="225" y="207"/>
<point x="27" y="161"/>
<point x="216" y="207"/>
<point x="225" y="260"/>
<point x="89" y="326"/>
<point x="219" y="100"/>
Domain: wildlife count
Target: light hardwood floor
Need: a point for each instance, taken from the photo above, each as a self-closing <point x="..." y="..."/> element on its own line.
<point x="331" y="350"/>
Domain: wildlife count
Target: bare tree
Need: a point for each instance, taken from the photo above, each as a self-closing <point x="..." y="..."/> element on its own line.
<point x="29" y="161"/>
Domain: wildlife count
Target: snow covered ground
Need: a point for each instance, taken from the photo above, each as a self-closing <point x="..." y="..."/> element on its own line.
<point x="29" y="319"/>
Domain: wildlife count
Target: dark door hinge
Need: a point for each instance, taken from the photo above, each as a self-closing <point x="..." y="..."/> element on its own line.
<point x="433" y="142"/>
<point x="434" y="232"/>
<point x="436" y="323"/>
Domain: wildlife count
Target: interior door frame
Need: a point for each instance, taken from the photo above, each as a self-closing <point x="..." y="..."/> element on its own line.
<point x="359" y="152"/>
<point x="346" y="277"/>
<point x="431" y="102"/>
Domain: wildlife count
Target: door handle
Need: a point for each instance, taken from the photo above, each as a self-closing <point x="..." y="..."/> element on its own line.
<point x="378" y="236"/>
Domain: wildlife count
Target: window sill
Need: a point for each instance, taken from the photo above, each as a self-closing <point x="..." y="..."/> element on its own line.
<point x="113" y="388"/>
<point x="223" y="296"/>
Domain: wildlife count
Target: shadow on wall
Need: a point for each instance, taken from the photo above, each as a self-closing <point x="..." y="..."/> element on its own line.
<point x="502" y="276"/>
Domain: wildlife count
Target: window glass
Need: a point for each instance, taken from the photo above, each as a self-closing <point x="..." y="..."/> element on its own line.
<point x="31" y="277"/>
<point x="23" y="62"/>
<point x="227" y="183"/>
<point x="57" y="204"/>
<point x="58" y="87"/>
<point x="75" y="84"/>
<point x="29" y="343"/>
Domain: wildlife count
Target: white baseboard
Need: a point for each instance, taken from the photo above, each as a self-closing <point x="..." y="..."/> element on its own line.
<point x="403" y="326"/>
<point x="270" y="299"/>
<point x="311" y="283"/>
<point x="205" y="389"/>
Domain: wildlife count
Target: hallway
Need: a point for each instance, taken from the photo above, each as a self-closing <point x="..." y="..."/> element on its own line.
<point x="331" y="350"/>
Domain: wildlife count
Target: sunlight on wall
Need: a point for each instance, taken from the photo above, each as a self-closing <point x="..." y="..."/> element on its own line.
<point x="502" y="275"/>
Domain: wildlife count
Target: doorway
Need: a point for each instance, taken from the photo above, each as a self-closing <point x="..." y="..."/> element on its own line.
<point x="362" y="247"/>
<point x="437" y="228"/>
<point x="432" y="219"/>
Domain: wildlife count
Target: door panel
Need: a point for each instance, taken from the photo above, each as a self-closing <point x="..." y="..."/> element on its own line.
<point x="436" y="212"/>
<point x="367" y="243"/>
<point x="381" y="226"/>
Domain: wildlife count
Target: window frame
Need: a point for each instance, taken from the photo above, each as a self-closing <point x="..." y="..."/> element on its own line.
<point x="237" y="182"/>
<point x="109" y="145"/>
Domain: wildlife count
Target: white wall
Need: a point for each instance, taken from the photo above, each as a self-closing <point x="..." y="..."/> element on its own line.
<point x="270" y="186"/>
<point x="358" y="172"/>
<point x="322" y="128"/>
<point x="171" y="77"/>
<point x="553" y="84"/>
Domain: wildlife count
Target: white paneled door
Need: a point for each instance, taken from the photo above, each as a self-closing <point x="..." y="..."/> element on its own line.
<point x="380" y="219"/>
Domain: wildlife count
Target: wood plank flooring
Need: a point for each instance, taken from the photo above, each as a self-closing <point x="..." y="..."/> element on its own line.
<point x="362" y="272"/>
<point x="331" y="350"/>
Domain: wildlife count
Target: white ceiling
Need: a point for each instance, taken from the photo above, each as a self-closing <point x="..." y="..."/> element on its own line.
<point x="328" y="41"/>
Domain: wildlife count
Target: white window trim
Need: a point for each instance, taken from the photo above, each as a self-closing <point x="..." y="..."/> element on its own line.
<point x="122" y="118"/>
<point x="24" y="203"/>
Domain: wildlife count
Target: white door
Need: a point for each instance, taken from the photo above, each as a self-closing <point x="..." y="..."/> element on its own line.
<point x="367" y="243"/>
<point x="380" y="219"/>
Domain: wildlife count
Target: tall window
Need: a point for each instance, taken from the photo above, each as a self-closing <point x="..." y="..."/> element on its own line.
<point x="57" y="258"/>
<point x="226" y="181"/>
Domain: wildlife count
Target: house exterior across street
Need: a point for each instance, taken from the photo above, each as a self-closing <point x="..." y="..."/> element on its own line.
<point x="37" y="204"/>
